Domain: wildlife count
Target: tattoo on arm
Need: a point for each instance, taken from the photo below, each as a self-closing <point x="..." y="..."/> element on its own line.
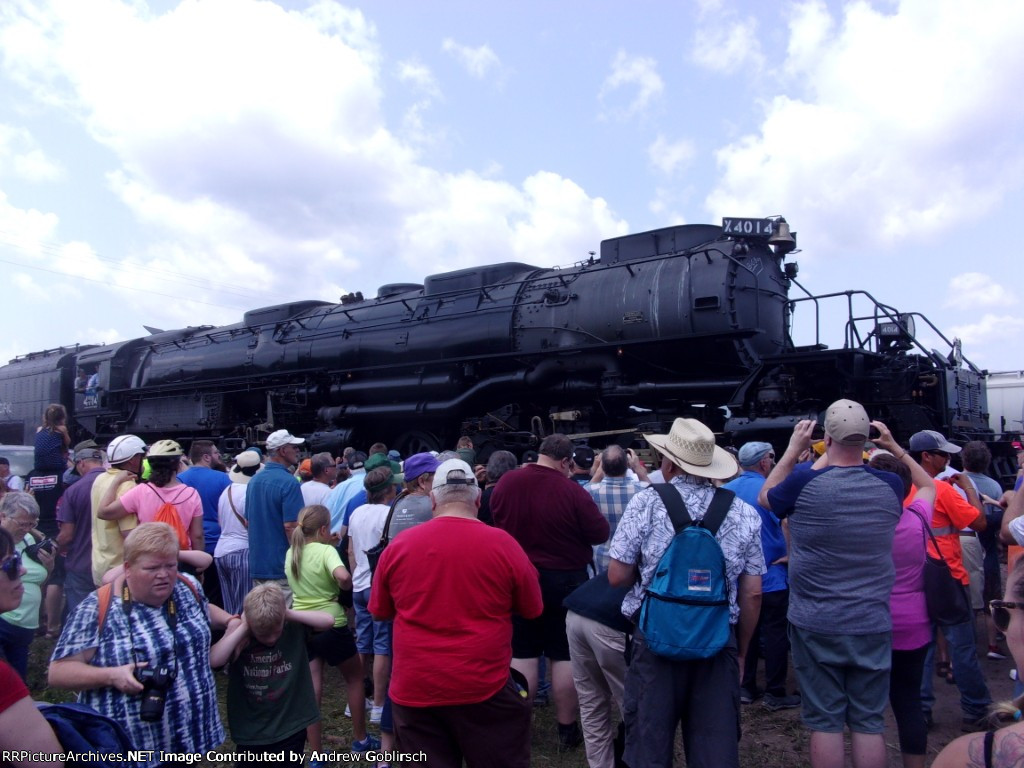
<point x="1007" y="750"/>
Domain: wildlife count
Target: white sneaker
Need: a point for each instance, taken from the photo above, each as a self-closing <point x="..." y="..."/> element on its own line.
<point x="348" y="711"/>
<point x="375" y="713"/>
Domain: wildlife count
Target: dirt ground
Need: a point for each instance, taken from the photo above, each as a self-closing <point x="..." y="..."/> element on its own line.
<point x="778" y="740"/>
<point x="770" y="739"/>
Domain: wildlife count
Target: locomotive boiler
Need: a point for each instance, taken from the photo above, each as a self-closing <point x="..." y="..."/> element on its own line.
<point x="685" y="320"/>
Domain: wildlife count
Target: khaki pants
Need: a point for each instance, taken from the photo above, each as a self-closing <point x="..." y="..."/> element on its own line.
<point x="598" y="660"/>
<point x="974" y="557"/>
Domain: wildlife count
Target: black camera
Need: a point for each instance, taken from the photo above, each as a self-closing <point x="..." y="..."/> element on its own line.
<point x="46" y="545"/>
<point x="155" y="682"/>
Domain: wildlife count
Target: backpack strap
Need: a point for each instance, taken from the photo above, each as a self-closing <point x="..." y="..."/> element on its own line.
<point x="717" y="510"/>
<point x="680" y="515"/>
<point x="105" y="597"/>
<point x="674" y="505"/>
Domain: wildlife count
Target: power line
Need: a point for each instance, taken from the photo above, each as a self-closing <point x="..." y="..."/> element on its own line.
<point x="126" y="287"/>
<point x="53" y="250"/>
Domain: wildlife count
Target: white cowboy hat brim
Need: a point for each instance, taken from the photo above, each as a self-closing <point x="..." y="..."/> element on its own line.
<point x="722" y="466"/>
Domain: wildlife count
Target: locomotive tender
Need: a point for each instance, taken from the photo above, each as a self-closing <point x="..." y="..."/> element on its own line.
<point x="686" y="320"/>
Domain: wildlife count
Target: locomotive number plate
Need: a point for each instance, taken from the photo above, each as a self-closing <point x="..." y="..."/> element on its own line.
<point x="748" y="227"/>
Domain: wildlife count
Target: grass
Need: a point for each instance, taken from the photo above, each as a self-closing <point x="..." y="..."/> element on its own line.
<point x="770" y="739"/>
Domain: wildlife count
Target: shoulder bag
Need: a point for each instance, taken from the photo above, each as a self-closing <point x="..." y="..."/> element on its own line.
<point x="947" y="598"/>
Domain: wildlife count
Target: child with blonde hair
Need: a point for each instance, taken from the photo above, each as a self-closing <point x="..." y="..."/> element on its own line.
<point x="270" y="692"/>
<point x="316" y="575"/>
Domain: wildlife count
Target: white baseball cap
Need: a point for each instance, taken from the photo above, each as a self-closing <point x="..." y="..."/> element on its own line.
<point x="281" y="438"/>
<point x="453" y="472"/>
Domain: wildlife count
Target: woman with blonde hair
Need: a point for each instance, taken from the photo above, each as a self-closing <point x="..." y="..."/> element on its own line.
<point x="315" y="576"/>
<point x="149" y="633"/>
<point x="1002" y="748"/>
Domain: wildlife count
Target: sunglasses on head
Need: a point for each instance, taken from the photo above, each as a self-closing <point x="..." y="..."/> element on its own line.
<point x="11" y="566"/>
<point x="1001" y="613"/>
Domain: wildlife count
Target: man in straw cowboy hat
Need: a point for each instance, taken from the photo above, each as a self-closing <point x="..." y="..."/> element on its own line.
<point x="841" y="516"/>
<point x="702" y="694"/>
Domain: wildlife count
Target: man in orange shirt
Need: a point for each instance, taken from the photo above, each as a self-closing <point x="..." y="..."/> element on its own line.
<point x="952" y="518"/>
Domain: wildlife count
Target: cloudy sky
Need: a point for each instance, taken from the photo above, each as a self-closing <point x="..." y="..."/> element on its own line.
<point x="177" y="163"/>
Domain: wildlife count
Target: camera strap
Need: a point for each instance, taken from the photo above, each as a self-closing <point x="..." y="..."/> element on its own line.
<point x="172" y="621"/>
<point x="105" y="597"/>
<point x="126" y="606"/>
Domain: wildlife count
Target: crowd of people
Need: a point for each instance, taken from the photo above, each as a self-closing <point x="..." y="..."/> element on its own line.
<point x="450" y="594"/>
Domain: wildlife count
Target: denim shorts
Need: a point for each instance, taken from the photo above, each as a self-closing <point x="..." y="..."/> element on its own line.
<point x="372" y="636"/>
<point x="844" y="679"/>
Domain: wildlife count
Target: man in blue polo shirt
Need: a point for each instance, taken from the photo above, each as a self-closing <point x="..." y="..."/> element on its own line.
<point x="756" y="459"/>
<point x="272" y="504"/>
<point x="209" y="476"/>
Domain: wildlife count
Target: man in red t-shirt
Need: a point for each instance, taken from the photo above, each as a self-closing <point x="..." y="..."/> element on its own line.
<point x="952" y="515"/>
<point x="451" y="585"/>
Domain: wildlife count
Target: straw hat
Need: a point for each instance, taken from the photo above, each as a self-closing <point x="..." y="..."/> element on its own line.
<point x="245" y="460"/>
<point x="691" y="446"/>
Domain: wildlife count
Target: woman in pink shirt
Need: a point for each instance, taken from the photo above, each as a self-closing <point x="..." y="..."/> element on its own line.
<point x="911" y="627"/>
<point x="145" y="500"/>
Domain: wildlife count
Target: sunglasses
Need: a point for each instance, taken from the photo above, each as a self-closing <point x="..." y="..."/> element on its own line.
<point x="11" y="566"/>
<point x="1001" y="613"/>
<point x="943" y="454"/>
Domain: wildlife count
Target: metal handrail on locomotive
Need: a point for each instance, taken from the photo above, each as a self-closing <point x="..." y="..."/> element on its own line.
<point x="687" y="320"/>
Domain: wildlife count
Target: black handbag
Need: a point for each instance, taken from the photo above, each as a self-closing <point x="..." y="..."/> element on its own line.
<point x="946" y="596"/>
<point x="373" y="553"/>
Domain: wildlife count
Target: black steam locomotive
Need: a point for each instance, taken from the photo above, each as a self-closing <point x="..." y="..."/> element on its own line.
<point x="686" y="320"/>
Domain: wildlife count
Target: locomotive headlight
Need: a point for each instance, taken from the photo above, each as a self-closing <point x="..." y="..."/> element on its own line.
<point x="894" y="329"/>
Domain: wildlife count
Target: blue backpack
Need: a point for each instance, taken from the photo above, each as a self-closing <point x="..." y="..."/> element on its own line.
<point x="685" y="614"/>
<point x="100" y="741"/>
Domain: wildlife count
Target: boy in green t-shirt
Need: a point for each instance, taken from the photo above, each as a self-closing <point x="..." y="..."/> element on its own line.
<point x="270" y="691"/>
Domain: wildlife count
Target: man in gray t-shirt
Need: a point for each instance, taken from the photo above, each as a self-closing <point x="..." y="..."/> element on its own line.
<point x="976" y="458"/>
<point x="841" y="517"/>
<point x="414" y="508"/>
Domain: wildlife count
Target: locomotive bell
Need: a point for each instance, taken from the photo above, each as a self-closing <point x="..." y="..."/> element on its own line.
<point x="782" y="241"/>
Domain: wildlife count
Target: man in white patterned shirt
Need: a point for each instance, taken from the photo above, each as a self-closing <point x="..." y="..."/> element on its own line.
<point x="702" y="694"/>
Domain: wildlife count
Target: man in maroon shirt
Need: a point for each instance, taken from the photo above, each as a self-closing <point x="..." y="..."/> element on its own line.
<point x="557" y="523"/>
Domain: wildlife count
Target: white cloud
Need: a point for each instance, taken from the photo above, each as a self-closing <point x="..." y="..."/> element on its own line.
<point x="427" y="90"/>
<point x="419" y="75"/>
<point x="726" y="44"/>
<point x="477" y="61"/>
<point x="24" y="234"/>
<point x="477" y="221"/>
<point x="990" y="331"/>
<point x="887" y="131"/>
<point x="976" y="291"/>
<point x="259" y="167"/>
<point x="670" y="157"/>
<point x="27" y="161"/>
<point x="638" y="76"/>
